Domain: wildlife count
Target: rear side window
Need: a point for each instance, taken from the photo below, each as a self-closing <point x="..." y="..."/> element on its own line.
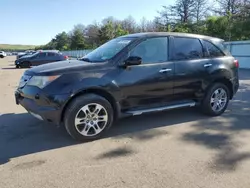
<point x="51" y="54"/>
<point x="187" y="48"/>
<point x="213" y="51"/>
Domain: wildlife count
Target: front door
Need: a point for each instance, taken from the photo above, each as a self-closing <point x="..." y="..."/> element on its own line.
<point x="150" y="83"/>
<point x="40" y="59"/>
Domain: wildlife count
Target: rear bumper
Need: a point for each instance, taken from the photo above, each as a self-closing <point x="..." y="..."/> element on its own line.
<point x="50" y="113"/>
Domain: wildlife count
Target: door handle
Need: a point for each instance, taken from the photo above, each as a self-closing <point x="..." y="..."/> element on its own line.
<point x="165" y="70"/>
<point x="208" y="65"/>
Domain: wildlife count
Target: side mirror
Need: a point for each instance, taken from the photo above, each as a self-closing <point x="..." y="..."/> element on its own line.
<point x="133" y="60"/>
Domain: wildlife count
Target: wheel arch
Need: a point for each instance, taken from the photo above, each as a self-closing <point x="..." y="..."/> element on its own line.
<point x="98" y="91"/>
<point x="226" y="82"/>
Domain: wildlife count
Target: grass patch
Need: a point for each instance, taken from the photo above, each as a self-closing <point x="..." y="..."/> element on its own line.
<point x="14" y="47"/>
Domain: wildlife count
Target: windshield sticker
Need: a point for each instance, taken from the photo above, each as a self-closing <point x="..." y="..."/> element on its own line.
<point x="124" y="41"/>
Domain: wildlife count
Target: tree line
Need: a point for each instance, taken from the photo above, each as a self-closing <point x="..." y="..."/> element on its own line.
<point x="226" y="19"/>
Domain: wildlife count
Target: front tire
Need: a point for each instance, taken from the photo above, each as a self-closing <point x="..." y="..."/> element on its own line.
<point x="88" y="117"/>
<point x="216" y="100"/>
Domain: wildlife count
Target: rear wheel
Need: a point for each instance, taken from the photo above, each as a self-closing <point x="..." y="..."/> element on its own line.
<point x="216" y="100"/>
<point x="88" y="117"/>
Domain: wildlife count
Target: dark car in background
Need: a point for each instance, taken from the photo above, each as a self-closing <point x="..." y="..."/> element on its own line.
<point x="128" y="76"/>
<point x="39" y="58"/>
<point x="29" y="52"/>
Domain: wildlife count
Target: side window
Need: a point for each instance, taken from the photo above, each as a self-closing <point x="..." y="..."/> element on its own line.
<point x="50" y="54"/>
<point x="152" y="50"/>
<point x="213" y="50"/>
<point x="187" y="48"/>
<point x="42" y="55"/>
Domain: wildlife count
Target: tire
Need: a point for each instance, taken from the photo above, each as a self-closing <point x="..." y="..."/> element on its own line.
<point x="74" y="112"/>
<point x="1" y="56"/>
<point x="17" y="66"/>
<point x="207" y="104"/>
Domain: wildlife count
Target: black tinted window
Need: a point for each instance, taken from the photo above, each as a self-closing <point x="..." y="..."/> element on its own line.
<point x="42" y="55"/>
<point x="50" y="54"/>
<point x="153" y="50"/>
<point x="187" y="48"/>
<point x="213" y="51"/>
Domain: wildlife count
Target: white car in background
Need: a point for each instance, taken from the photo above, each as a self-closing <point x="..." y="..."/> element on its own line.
<point x="2" y="54"/>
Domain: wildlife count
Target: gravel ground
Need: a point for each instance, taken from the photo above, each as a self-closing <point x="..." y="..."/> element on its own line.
<point x="180" y="148"/>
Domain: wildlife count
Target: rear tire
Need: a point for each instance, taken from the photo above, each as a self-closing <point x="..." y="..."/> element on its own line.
<point x="216" y="100"/>
<point x="88" y="117"/>
<point x="17" y="66"/>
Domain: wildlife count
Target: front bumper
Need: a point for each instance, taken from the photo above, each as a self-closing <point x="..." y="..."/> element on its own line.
<point x="44" y="108"/>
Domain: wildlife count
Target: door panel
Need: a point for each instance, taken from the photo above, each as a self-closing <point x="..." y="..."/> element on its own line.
<point x="52" y="57"/>
<point x="189" y="78"/>
<point x="39" y="59"/>
<point x="146" y="85"/>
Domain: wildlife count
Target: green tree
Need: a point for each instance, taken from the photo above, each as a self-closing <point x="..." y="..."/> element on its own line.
<point x="217" y="26"/>
<point x="119" y="31"/>
<point x="62" y="41"/>
<point x="106" y="32"/>
<point x="77" y="38"/>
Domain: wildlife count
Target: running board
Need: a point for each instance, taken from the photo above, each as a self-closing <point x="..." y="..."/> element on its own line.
<point x="158" y="109"/>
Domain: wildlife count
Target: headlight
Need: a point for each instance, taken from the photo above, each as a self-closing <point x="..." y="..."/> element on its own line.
<point x="42" y="81"/>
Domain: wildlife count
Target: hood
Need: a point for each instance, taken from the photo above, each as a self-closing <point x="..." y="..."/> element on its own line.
<point x="62" y="67"/>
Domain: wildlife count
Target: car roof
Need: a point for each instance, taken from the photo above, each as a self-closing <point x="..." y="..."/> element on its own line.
<point x="50" y="51"/>
<point x="161" y="34"/>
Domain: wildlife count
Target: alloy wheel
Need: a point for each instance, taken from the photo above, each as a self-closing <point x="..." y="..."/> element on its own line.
<point x="91" y="119"/>
<point x="218" y="100"/>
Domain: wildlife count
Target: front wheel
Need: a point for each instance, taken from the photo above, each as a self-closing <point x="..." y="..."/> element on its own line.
<point x="216" y="100"/>
<point x="87" y="117"/>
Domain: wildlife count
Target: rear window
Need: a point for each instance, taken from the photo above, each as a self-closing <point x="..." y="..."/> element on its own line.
<point x="214" y="51"/>
<point x="187" y="48"/>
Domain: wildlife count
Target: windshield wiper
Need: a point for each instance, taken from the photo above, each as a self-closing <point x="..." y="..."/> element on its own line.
<point x="85" y="59"/>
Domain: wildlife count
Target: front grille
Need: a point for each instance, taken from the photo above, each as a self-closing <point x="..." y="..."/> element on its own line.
<point x="23" y="81"/>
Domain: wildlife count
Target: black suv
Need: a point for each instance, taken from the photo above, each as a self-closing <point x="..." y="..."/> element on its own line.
<point x="131" y="75"/>
<point x="39" y="58"/>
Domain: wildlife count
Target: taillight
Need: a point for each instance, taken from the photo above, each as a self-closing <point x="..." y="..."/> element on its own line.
<point x="236" y="63"/>
<point x="66" y="57"/>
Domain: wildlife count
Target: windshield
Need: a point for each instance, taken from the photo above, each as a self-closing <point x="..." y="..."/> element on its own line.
<point x="107" y="50"/>
<point x="34" y="54"/>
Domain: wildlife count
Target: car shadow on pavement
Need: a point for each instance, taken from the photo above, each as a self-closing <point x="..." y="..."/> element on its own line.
<point x="9" y="68"/>
<point x="224" y="134"/>
<point x="21" y="134"/>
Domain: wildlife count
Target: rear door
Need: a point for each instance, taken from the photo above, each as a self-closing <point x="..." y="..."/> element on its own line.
<point x="191" y="66"/>
<point x="53" y="57"/>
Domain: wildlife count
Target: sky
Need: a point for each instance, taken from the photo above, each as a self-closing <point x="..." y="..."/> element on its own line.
<point x="38" y="21"/>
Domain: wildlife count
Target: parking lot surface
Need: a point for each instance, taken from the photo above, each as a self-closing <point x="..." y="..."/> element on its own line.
<point x="180" y="148"/>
